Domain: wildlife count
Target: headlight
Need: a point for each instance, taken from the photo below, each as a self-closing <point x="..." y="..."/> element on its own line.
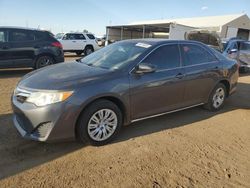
<point x="45" y="98"/>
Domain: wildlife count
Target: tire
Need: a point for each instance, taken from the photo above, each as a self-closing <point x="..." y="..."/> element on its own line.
<point x="79" y="53"/>
<point x="44" y="61"/>
<point x="217" y="98"/>
<point x="91" y="128"/>
<point x="88" y="50"/>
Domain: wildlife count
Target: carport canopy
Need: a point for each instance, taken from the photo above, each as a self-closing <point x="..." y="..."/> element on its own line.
<point x="135" y="31"/>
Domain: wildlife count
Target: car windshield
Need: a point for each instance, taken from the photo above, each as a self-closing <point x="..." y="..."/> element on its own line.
<point x="59" y="36"/>
<point x="245" y="46"/>
<point x="115" y="56"/>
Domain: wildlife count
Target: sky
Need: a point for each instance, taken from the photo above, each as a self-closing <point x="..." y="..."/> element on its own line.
<point x="95" y="15"/>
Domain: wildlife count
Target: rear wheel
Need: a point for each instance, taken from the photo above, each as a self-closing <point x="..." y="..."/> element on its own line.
<point x="88" y="50"/>
<point x="44" y="61"/>
<point x="217" y="98"/>
<point x="99" y="123"/>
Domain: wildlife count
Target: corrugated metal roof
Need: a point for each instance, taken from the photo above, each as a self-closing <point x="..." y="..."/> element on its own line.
<point x="210" y="21"/>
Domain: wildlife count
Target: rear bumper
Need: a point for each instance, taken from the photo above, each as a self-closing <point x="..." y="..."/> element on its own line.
<point x="59" y="59"/>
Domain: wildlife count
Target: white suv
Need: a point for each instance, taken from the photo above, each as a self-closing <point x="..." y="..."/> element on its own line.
<point x="78" y="42"/>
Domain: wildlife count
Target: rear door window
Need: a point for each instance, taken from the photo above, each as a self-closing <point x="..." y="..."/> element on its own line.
<point x="2" y="36"/>
<point x="79" y="37"/>
<point x="194" y="55"/>
<point x="165" y="57"/>
<point x="21" y="36"/>
<point x="40" y="35"/>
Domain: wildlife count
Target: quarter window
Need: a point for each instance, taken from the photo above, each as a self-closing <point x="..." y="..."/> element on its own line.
<point x="92" y="37"/>
<point x="194" y="54"/>
<point x="165" y="57"/>
<point x="40" y="35"/>
<point x="2" y="36"/>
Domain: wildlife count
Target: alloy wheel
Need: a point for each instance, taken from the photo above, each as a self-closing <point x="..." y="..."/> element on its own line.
<point x="219" y="97"/>
<point x="102" y="124"/>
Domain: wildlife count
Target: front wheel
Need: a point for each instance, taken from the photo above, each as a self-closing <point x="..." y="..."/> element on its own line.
<point x="99" y="123"/>
<point x="217" y="98"/>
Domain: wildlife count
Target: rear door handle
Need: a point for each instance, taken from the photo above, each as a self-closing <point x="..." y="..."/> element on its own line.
<point x="179" y="76"/>
<point x="73" y="41"/>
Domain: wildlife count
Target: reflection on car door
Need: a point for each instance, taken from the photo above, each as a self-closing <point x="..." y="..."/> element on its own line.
<point x="5" y="54"/>
<point x="202" y="71"/>
<point x="162" y="90"/>
<point x="22" y="47"/>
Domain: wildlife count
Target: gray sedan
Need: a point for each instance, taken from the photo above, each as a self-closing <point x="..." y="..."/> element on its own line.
<point x="125" y="82"/>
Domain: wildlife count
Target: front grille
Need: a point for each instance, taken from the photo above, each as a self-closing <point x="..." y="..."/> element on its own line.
<point x="42" y="130"/>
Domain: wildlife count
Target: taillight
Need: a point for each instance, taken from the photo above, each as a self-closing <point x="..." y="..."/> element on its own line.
<point x="57" y="44"/>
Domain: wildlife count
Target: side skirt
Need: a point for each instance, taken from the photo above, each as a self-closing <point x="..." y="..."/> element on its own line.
<point x="161" y="114"/>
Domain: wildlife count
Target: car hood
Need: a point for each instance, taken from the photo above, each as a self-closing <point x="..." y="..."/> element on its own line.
<point x="62" y="76"/>
<point x="209" y="38"/>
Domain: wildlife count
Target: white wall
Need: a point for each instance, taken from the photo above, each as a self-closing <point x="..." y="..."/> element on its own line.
<point x="177" y="32"/>
<point x="231" y="32"/>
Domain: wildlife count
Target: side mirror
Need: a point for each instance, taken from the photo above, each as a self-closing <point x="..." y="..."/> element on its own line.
<point x="232" y="51"/>
<point x="145" y="68"/>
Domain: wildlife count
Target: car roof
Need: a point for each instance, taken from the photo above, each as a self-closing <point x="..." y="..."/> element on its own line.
<point x="23" y="28"/>
<point x="76" y="33"/>
<point x="153" y="41"/>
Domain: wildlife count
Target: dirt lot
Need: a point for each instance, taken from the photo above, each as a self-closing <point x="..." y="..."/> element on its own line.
<point x="192" y="148"/>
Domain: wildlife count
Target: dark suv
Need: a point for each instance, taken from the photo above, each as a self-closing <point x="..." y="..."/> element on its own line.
<point x="21" y="47"/>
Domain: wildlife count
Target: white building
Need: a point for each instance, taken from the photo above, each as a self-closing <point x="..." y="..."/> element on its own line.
<point x="226" y="26"/>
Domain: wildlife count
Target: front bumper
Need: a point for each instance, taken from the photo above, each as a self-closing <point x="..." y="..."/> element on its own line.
<point x="49" y="123"/>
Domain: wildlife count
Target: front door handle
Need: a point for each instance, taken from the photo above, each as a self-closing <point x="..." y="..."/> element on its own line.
<point x="179" y="76"/>
<point x="5" y="47"/>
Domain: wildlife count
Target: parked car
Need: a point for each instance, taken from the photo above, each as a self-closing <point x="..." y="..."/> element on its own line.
<point x="240" y="51"/>
<point x="22" y="47"/>
<point x="125" y="82"/>
<point x="234" y="48"/>
<point x="78" y="42"/>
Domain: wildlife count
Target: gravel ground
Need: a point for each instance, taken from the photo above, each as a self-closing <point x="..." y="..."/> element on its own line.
<point x="192" y="148"/>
